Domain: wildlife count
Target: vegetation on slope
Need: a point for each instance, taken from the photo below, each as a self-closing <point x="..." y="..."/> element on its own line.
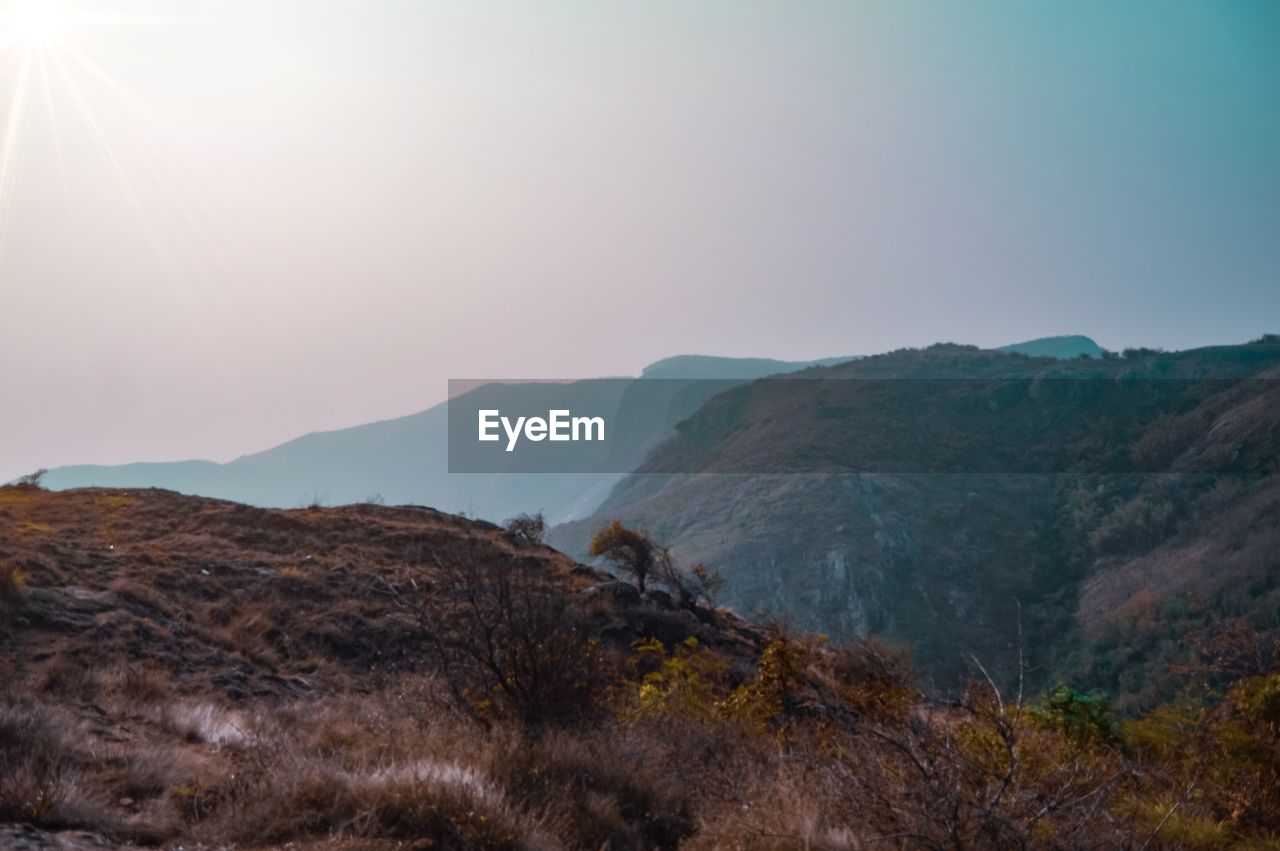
<point x="184" y="671"/>
<point x="1105" y="524"/>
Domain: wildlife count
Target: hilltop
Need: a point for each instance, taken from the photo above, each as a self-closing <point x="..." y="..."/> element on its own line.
<point x="1064" y="348"/>
<point x="149" y="638"/>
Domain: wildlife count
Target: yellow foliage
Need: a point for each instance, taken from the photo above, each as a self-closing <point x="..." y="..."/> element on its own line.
<point x="683" y="683"/>
<point x="1165" y="731"/>
<point x="114" y="501"/>
<point x="689" y="682"/>
<point x="778" y="673"/>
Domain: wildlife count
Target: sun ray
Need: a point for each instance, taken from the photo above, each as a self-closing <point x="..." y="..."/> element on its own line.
<point x="58" y="153"/>
<point x="171" y="274"/>
<point x="66" y="48"/>
<point x="46" y="46"/>
<point x="10" y="149"/>
<point x="198" y="226"/>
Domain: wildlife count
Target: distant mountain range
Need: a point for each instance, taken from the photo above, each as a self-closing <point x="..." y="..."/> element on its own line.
<point x="405" y="461"/>
<point x="1063" y="348"/>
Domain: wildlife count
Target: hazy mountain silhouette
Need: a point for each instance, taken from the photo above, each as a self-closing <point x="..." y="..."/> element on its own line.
<point x="1063" y="348"/>
<point x="404" y="461"/>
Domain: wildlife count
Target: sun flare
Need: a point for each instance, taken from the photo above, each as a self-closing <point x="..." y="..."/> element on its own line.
<point x="32" y="22"/>
<point x="52" y="84"/>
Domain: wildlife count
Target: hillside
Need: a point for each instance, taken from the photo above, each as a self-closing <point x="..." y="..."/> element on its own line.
<point x="1100" y="507"/>
<point x="148" y="637"/>
<point x="184" y="672"/>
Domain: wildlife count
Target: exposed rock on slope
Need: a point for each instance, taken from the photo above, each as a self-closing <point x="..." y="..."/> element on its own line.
<point x="963" y="563"/>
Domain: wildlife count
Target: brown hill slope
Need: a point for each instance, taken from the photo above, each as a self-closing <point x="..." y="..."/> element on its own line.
<point x="143" y="634"/>
<point x="190" y="673"/>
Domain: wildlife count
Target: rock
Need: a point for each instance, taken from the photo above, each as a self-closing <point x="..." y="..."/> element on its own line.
<point x="65" y="609"/>
<point x="659" y="598"/>
<point x="622" y="593"/>
<point x="619" y="632"/>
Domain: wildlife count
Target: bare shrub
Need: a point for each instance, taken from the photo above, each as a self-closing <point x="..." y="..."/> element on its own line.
<point x="506" y="644"/>
<point x="693" y="586"/>
<point x="526" y="529"/>
<point x="33" y="480"/>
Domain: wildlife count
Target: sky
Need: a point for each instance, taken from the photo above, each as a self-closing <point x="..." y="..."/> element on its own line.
<point x="226" y="223"/>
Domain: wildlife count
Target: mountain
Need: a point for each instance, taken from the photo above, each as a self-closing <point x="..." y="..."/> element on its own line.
<point x="969" y="502"/>
<point x="1062" y="348"/>
<point x="706" y="366"/>
<point x="405" y="461"/>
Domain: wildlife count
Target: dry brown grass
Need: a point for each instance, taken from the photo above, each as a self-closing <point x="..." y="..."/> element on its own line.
<point x="40" y="778"/>
<point x="220" y="677"/>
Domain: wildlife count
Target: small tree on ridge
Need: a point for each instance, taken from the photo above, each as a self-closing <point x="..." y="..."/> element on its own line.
<point x="631" y="551"/>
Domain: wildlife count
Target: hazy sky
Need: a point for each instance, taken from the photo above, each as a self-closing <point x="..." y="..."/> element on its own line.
<point x="229" y="222"/>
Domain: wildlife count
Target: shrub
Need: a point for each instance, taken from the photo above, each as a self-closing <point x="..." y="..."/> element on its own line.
<point x="32" y="480"/>
<point x="687" y="682"/>
<point x="1083" y="717"/>
<point x="507" y="645"/>
<point x="780" y="674"/>
<point x="526" y="529"/>
<point x="693" y="585"/>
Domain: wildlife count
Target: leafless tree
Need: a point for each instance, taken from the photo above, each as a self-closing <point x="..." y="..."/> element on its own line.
<point x="526" y="529"/>
<point x="33" y="480"/>
<point x="506" y="643"/>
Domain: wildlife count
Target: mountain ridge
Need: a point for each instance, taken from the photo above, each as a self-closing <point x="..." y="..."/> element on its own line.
<point x="908" y="555"/>
<point x="403" y="459"/>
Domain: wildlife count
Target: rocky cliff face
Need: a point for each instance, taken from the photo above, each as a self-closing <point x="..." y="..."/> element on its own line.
<point x="983" y="564"/>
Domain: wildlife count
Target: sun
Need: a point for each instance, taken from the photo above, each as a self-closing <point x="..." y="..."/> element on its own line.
<point x="31" y="22"/>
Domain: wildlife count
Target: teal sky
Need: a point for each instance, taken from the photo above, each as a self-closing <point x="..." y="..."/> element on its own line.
<point x="228" y="223"/>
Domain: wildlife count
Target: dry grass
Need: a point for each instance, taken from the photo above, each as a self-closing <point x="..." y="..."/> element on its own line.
<point x="40" y="778"/>
<point x="224" y="677"/>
